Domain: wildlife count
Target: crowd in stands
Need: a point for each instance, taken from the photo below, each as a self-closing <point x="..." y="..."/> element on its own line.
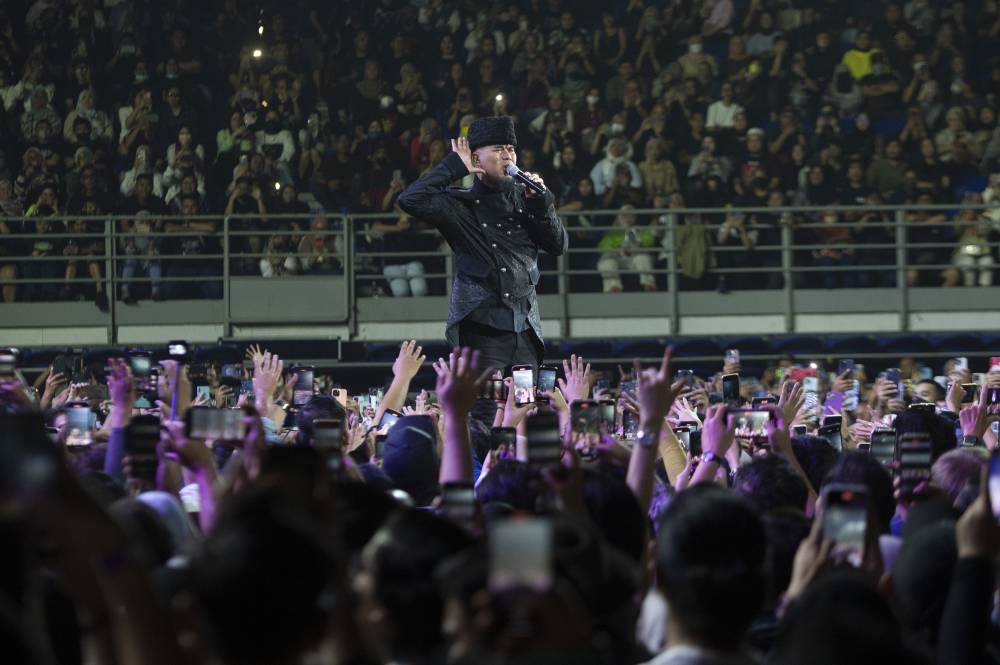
<point x="164" y="111"/>
<point x="161" y="509"/>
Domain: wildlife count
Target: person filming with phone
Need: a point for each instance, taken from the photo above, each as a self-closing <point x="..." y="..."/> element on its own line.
<point x="495" y="229"/>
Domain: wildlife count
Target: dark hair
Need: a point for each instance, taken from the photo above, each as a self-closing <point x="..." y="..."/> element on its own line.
<point x="938" y="390"/>
<point x="265" y="535"/>
<point x="402" y="556"/>
<point x="709" y="564"/>
<point x="510" y="482"/>
<point x="770" y="483"/>
<point x="785" y="532"/>
<point x="841" y="618"/>
<point x="816" y="457"/>
<point x="150" y="542"/>
<point x="863" y="469"/>
<point x="940" y="429"/>
<point x="319" y="407"/>
<point x="614" y="509"/>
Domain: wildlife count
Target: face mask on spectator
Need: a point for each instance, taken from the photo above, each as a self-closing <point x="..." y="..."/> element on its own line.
<point x="591" y="99"/>
<point x="617" y="128"/>
<point x="694" y="48"/>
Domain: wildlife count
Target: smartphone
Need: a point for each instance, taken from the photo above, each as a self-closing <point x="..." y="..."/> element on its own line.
<point x="206" y="422"/>
<point x="732" y="356"/>
<point x="766" y="400"/>
<point x="833" y="435"/>
<point x="961" y="363"/>
<point x="29" y="463"/>
<point x="178" y="350"/>
<point x="524" y="384"/>
<point x="458" y="501"/>
<point x="203" y="392"/>
<point x="389" y="418"/>
<point x="139" y="362"/>
<point x="683" y="435"/>
<point x="749" y="423"/>
<point x="685" y="375"/>
<point x="799" y="430"/>
<point x="246" y="387"/>
<point x="829" y="421"/>
<point x="609" y="413"/>
<point x="141" y="438"/>
<point x="731" y="389"/>
<point x="380" y="446"/>
<point x="546" y="381"/>
<point x="865" y="447"/>
<point x="630" y="424"/>
<point x="892" y="375"/>
<point x="845" y="521"/>
<point x="587" y="416"/>
<point x="503" y="436"/>
<point x="397" y="174"/>
<point x="994" y="364"/>
<point x="994" y="483"/>
<point x="493" y="389"/>
<point x="328" y="440"/>
<point x="913" y="461"/>
<point x="78" y="424"/>
<point x="845" y="365"/>
<point x="303" y="390"/>
<point x="923" y="407"/>
<point x="231" y="375"/>
<point x="993" y="402"/>
<point x="628" y="387"/>
<point x="883" y="446"/>
<point x="544" y="440"/>
<point x="520" y="555"/>
<point x="693" y="424"/>
<point x="971" y="393"/>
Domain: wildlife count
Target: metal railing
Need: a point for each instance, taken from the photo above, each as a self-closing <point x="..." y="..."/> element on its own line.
<point x="790" y="249"/>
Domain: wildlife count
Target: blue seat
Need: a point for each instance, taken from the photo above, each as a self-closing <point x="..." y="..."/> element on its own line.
<point x="698" y="347"/>
<point x="806" y="345"/>
<point x="888" y="128"/>
<point x="907" y="345"/>
<point x="646" y="348"/>
<point x="970" y="183"/>
<point x="848" y="347"/>
<point x="591" y="350"/>
<point x="960" y="343"/>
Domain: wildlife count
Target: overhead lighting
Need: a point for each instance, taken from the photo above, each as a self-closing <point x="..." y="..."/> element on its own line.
<point x="257" y="53"/>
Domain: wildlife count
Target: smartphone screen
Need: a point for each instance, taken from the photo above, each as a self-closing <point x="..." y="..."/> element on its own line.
<point x="78" y="424"/>
<point x="585" y="416"/>
<point x="546" y="379"/>
<point x="865" y="447"/>
<point x="766" y="400"/>
<point x="142" y="435"/>
<point x="303" y="390"/>
<point x="380" y="446"/>
<point x="732" y="356"/>
<point x="883" y="446"/>
<point x="520" y="554"/>
<point x="139" y="362"/>
<point x="971" y="393"/>
<point x="524" y="385"/>
<point x="503" y="436"/>
<point x="458" y="501"/>
<point x="630" y="424"/>
<point x="748" y="423"/>
<point x="203" y="392"/>
<point x="845" y="365"/>
<point x="833" y="435"/>
<point x="205" y="422"/>
<point x="995" y="364"/>
<point x="829" y="421"/>
<point x="231" y="375"/>
<point x="913" y="458"/>
<point x="731" y="388"/>
<point x="845" y="520"/>
<point x="993" y="402"/>
<point x="327" y="439"/>
<point x="389" y="418"/>
<point x="799" y="430"/>
<point x="685" y="375"/>
<point x="994" y="483"/>
<point x="544" y="441"/>
<point x="246" y="387"/>
<point x="683" y="435"/>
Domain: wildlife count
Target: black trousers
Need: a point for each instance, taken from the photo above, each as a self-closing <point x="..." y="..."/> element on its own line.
<point x="500" y="349"/>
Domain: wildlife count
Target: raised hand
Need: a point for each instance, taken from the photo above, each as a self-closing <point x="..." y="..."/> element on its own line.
<point x="791" y="401"/>
<point x="460" y="146"/>
<point x="577" y="384"/>
<point x="121" y="386"/>
<point x="253" y="353"/>
<point x="656" y="391"/>
<point x="409" y="360"/>
<point x="973" y="417"/>
<point x="458" y="382"/>
<point x="267" y="371"/>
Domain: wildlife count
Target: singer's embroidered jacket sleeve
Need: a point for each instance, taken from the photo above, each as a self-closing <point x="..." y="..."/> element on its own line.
<point x="548" y="231"/>
<point x="423" y="198"/>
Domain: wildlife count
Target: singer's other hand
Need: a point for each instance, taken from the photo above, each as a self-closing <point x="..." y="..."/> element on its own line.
<point x="528" y="191"/>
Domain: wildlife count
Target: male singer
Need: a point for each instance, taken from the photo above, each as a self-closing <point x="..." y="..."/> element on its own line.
<point x="495" y="230"/>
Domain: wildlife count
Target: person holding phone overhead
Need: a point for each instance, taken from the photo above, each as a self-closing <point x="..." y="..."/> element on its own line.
<point x="495" y="229"/>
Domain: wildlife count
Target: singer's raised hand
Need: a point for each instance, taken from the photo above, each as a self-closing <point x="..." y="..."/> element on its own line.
<point x="461" y="147"/>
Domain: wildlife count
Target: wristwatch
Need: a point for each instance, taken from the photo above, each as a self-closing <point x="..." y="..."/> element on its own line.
<point x="970" y="441"/>
<point x="647" y="438"/>
<point x="711" y="457"/>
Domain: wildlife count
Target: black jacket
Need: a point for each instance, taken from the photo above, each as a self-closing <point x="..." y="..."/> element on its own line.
<point x="495" y="236"/>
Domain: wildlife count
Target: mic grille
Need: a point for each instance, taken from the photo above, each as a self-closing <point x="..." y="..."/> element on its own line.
<point x="511" y="170"/>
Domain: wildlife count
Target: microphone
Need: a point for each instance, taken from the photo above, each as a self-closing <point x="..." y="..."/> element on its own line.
<point x="518" y="174"/>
